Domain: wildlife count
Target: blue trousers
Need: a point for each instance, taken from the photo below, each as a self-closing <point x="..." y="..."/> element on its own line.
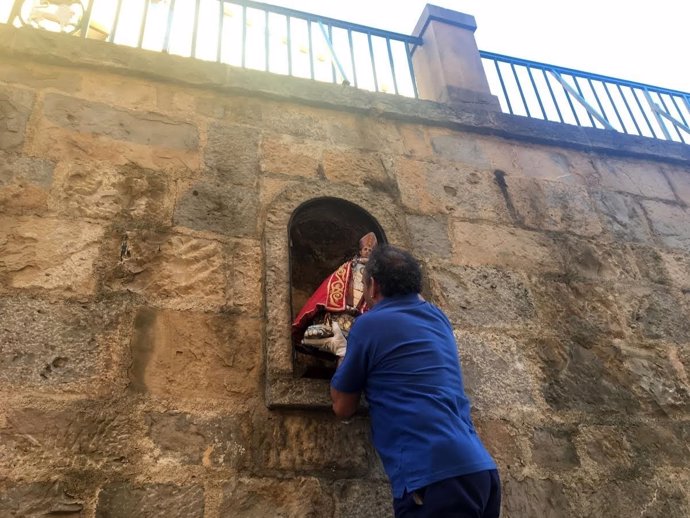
<point x="477" y="495"/>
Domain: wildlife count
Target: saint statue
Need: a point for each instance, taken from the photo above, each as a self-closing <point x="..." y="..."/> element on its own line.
<point x="340" y="298"/>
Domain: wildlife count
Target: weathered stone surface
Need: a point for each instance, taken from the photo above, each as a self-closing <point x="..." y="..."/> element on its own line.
<point x="501" y="439"/>
<point x="594" y="260"/>
<point x="37" y="499"/>
<point x="311" y="444"/>
<point x="465" y="193"/>
<point x="659" y="443"/>
<point x="214" y="204"/>
<point x="211" y="442"/>
<point x="190" y="356"/>
<point x="48" y="253"/>
<point x="363" y="499"/>
<point x="291" y="156"/>
<point x="15" y="108"/>
<point x="533" y="497"/>
<point x="677" y="267"/>
<point x="58" y="346"/>
<point x="124" y="500"/>
<point x="670" y="223"/>
<point x="494" y="369"/>
<point x="116" y="90"/>
<point x="554" y="449"/>
<point x="39" y="76"/>
<point x="415" y="140"/>
<point x="480" y="244"/>
<point x="482" y="296"/>
<point x="657" y="314"/>
<point x="24" y="183"/>
<point x="459" y="147"/>
<point x="169" y="270"/>
<point x="244" y="276"/>
<point x="78" y="435"/>
<point x="634" y="177"/>
<point x="550" y="205"/>
<point x="356" y="167"/>
<point x="298" y="497"/>
<point x="429" y="236"/>
<point x="233" y="151"/>
<point x="623" y="216"/>
<point x="102" y="191"/>
<point x="680" y="181"/>
<point x="356" y="131"/>
<point x="549" y="164"/>
<point x="605" y="446"/>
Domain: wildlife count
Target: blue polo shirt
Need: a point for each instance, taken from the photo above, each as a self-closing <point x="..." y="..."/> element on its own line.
<point x="402" y="354"/>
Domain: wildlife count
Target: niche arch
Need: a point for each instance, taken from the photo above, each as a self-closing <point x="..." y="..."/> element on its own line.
<point x="284" y="385"/>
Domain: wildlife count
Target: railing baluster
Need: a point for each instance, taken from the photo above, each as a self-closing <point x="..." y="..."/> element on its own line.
<point x="196" y="27"/>
<point x="682" y="117"/>
<point x="85" y="21"/>
<point x="289" y="45"/>
<point x="244" y="35"/>
<point x="579" y="91"/>
<point x="330" y="46"/>
<point x="147" y="4"/>
<point x="266" y="39"/>
<point x="503" y="86"/>
<point x="522" y="95"/>
<point x="373" y="63"/>
<point x="615" y="110"/>
<point x="111" y="38"/>
<point x="411" y="67"/>
<point x="168" y="26"/>
<point x="553" y="97"/>
<point x="663" y="103"/>
<point x="567" y="98"/>
<point x="627" y="106"/>
<point x="658" y="118"/>
<point x="639" y="104"/>
<point x="390" y="58"/>
<point x="311" y="49"/>
<point x="352" y="57"/>
<point x="221" y="22"/>
<point x="596" y="98"/>
<point x="536" y="92"/>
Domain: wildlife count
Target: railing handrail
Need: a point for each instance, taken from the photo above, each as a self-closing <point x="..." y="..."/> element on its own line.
<point x="573" y="71"/>
<point x="341" y="24"/>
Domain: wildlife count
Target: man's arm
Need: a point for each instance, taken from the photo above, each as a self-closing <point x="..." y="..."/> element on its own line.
<point x="344" y="403"/>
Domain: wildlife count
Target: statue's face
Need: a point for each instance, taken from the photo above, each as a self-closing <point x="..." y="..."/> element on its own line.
<point x="365" y="251"/>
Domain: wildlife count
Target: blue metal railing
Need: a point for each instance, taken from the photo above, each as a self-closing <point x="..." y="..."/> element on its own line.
<point x="572" y="96"/>
<point x="239" y="32"/>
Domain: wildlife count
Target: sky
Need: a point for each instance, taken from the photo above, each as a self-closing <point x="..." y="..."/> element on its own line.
<point x="628" y="39"/>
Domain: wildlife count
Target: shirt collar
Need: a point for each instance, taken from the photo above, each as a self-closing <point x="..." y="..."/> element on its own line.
<point x="411" y="298"/>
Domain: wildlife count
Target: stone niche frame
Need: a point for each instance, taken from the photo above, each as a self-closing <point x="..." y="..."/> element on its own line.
<point x="283" y="388"/>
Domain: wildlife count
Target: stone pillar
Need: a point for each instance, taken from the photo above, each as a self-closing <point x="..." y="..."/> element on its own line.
<point x="447" y="64"/>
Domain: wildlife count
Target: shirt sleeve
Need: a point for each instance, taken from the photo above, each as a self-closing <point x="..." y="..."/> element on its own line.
<point x="351" y="375"/>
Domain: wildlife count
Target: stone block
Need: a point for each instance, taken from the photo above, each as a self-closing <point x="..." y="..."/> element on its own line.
<point x="126" y="500"/>
<point x="463" y="192"/>
<point x="495" y="369"/>
<point x="557" y="206"/>
<point x="213" y="204"/>
<point x="50" y="254"/>
<point x="459" y="147"/>
<point x="657" y="444"/>
<point x="363" y="499"/>
<point x="533" y="497"/>
<point x="78" y="130"/>
<point x="634" y="177"/>
<point x="127" y="193"/>
<point x="553" y="449"/>
<point x="476" y="244"/>
<point x="677" y="268"/>
<point x="623" y="216"/>
<point x="39" y="499"/>
<point x="656" y="313"/>
<point x="59" y="346"/>
<point x="68" y="435"/>
<point x="360" y="132"/>
<point x="118" y="91"/>
<point x="502" y="440"/>
<point x="671" y="223"/>
<point x="547" y="164"/>
<point x="314" y="444"/>
<point x="190" y="440"/>
<point x="416" y="141"/>
<point x="356" y="168"/>
<point x="244" y="291"/>
<point x="15" y="108"/>
<point x="290" y="156"/>
<point x="605" y="446"/>
<point x="233" y="151"/>
<point x="680" y="181"/>
<point x="297" y="497"/>
<point x="169" y="270"/>
<point x="195" y="356"/>
<point x="39" y="76"/>
<point x="594" y="260"/>
<point x="24" y="183"/>
<point x="482" y="296"/>
<point x="429" y="236"/>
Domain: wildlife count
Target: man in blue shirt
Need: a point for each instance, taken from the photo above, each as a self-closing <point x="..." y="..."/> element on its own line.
<point x="402" y="354"/>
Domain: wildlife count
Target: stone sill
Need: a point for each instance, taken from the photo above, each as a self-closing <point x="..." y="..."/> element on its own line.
<point x="59" y="49"/>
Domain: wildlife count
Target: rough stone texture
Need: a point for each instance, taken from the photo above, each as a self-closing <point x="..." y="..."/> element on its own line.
<point x="479" y="244"/>
<point x="169" y="270"/>
<point x="482" y="296"/>
<point x="431" y="236"/>
<point x="24" y="183"/>
<point x="361" y="499"/>
<point x="39" y="499"/>
<point x="15" y="109"/>
<point x="194" y="356"/>
<point x="548" y="205"/>
<point x="461" y="148"/>
<point x="680" y="181"/>
<point x="641" y="178"/>
<point x="49" y="254"/>
<point x="123" y="500"/>
<point x="623" y="216"/>
<point x="450" y="189"/>
<point x="186" y="439"/>
<point x="670" y="222"/>
<point x="287" y="155"/>
<point x="58" y="346"/>
<point x="554" y="449"/>
<point x="262" y="497"/>
<point x="534" y="497"/>
<point x="233" y="151"/>
<point x="356" y="168"/>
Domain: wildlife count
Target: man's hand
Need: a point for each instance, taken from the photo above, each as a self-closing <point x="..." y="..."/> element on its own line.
<point x="338" y="344"/>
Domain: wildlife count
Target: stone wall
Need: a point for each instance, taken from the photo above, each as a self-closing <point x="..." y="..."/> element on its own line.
<point x="143" y="296"/>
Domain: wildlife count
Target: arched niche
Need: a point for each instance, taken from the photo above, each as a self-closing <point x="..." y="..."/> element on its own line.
<point x="285" y="387"/>
<point x="323" y="234"/>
